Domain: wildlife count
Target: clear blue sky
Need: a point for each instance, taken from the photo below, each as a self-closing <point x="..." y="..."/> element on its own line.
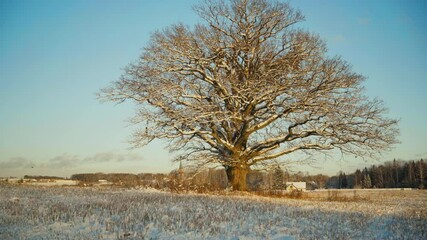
<point x="55" y="55"/>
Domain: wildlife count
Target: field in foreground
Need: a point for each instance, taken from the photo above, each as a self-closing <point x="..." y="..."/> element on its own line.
<point x="88" y="213"/>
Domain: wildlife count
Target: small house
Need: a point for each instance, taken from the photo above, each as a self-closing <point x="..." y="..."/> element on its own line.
<point x="296" y="186"/>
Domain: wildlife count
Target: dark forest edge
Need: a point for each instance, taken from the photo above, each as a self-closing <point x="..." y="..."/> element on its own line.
<point x="394" y="174"/>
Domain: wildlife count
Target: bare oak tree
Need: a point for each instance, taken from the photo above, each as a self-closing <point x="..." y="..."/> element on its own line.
<point x="246" y="88"/>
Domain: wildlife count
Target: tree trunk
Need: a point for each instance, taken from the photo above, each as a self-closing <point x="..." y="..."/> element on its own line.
<point x="237" y="177"/>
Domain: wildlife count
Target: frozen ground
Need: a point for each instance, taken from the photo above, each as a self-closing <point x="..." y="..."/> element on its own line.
<point x="28" y="212"/>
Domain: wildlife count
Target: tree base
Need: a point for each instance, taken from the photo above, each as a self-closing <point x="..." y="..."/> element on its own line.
<point x="237" y="177"/>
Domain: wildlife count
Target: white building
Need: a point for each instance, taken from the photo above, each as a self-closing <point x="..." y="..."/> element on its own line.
<point x="299" y="186"/>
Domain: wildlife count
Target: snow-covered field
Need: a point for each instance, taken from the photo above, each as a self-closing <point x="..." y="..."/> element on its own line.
<point x="28" y="212"/>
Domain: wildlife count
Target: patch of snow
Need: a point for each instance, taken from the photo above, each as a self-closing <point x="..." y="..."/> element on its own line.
<point x="89" y="213"/>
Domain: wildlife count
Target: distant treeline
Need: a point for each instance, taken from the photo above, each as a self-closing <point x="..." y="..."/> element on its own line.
<point x="394" y="174"/>
<point x="116" y="178"/>
<point x="208" y="179"/>
<point x="41" y="177"/>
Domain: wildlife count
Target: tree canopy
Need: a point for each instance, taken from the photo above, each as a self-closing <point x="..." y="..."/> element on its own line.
<point x="247" y="87"/>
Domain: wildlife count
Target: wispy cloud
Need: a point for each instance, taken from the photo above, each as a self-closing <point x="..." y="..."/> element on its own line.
<point x="70" y="161"/>
<point x="62" y="161"/>
<point x="114" y="157"/>
<point x="364" y="21"/>
<point x="17" y="162"/>
<point x="338" y="38"/>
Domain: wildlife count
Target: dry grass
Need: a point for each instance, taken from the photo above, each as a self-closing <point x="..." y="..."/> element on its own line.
<point x="101" y="213"/>
<point x="330" y="195"/>
<point x="348" y="195"/>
